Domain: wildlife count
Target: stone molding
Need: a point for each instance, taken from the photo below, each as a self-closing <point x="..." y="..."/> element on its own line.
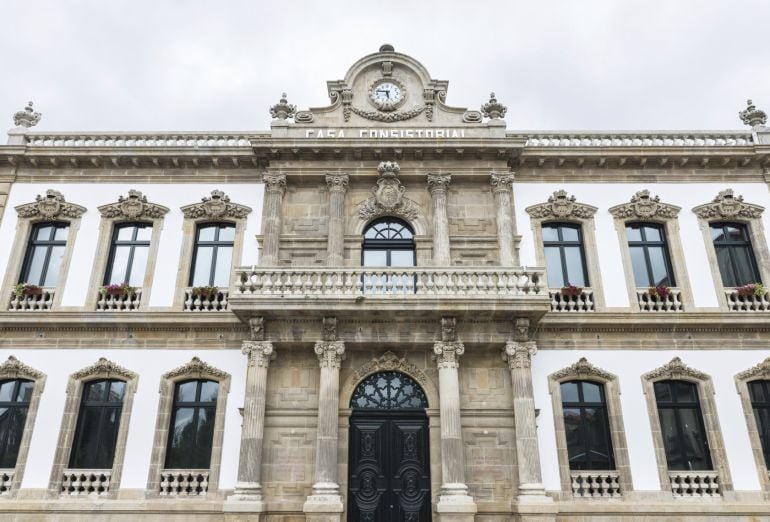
<point x="132" y="207"/>
<point x="275" y="183"/>
<point x="388" y="196"/>
<point x="13" y="368"/>
<point x="196" y="368"/>
<point x="583" y="370"/>
<point x="329" y="325"/>
<point x="448" y="329"/>
<point x="337" y="182"/>
<point x="644" y="206"/>
<point x="561" y="206"/>
<point x="727" y="205"/>
<point x="52" y="205"/>
<point x="104" y="367"/>
<point x="501" y="182"/>
<point x="676" y="370"/>
<point x="216" y="206"/>
<point x="259" y="353"/>
<point x="439" y="182"/>
<point x="519" y="354"/>
<point x="330" y="353"/>
<point x="759" y="371"/>
<point x="447" y="354"/>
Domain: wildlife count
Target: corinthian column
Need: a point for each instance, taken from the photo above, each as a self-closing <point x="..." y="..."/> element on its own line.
<point x="501" y="187"/>
<point x="438" y="185"/>
<point x="248" y="487"/>
<point x="275" y="186"/>
<point x="338" y="185"/>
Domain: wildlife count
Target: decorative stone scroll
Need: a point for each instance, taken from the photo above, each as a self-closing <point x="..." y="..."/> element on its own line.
<point x="132" y="207"/>
<point x="561" y="206"/>
<point x="13" y="368"/>
<point x="447" y="354"/>
<point x="216" y="206"/>
<point x="644" y="206"/>
<point x="337" y="182"/>
<point x="259" y="353"/>
<point x="329" y="329"/>
<point x="388" y="198"/>
<point x="676" y="370"/>
<point x="103" y="367"/>
<point x="257" y="328"/>
<point x="27" y="118"/>
<point x="727" y="205"/>
<point x="759" y="371"/>
<point x="275" y="183"/>
<point x="50" y="206"/>
<point x="330" y="353"/>
<point x="519" y="354"/>
<point x="582" y="370"/>
<point x="389" y="361"/>
<point x="501" y="182"/>
<point x="196" y="368"/>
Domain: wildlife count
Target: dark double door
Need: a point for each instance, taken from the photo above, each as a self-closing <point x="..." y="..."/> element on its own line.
<point x="389" y="467"/>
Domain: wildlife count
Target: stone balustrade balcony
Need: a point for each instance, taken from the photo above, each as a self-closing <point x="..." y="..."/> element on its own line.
<point x="672" y="302"/>
<point x="698" y="484"/>
<point x="82" y="482"/>
<point x="184" y="482"/>
<point x="32" y="302"/>
<point x="6" y="480"/>
<point x="580" y="301"/>
<point x="747" y="303"/>
<point x="595" y="484"/>
<point x="206" y="302"/>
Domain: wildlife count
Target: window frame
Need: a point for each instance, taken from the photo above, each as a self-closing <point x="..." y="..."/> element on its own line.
<point x="676" y="406"/>
<point x="132" y="243"/>
<point x="215" y="244"/>
<point x="389" y="245"/>
<point x="103" y="405"/>
<point x="729" y="245"/>
<point x="561" y="244"/>
<point x="645" y="245"/>
<point x="197" y="405"/>
<point x="48" y="244"/>
<point x="759" y="372"/>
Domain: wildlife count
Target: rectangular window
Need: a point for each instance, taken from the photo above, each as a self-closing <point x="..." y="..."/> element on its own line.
<point x="96" y="433"/>
<point x="735" y="254"/>
<point x="191" y="431"/>
<point x="45" y="251"/>
<point x="649" y="255"/>
<point x="564" y="259"/>
<point x="759" y="392"/>
<point x="681" y="424"/>
<point x="128" y="254"/>
<point x="15" y="396"/>
<point x="213" y="255"/>
<point x="586" y="425"/>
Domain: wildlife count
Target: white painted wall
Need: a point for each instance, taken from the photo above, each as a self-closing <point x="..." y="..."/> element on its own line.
<point x="171" y="196"/>
<point x="606" y="195"/>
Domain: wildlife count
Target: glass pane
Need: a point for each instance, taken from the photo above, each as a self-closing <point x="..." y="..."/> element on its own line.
<point x="207" y="233"/>
<point x="86" y="438"/>
<point x="117" y="389"/>
<point x="182" y="439"/>
<point x="61" y="233"/>
<point x="640" y="267"/>
<point x="126" y="233"/>
<point x="144" y="233"/>
<point x="209" y="391"/>
<point x="592" y="392"/>
<point x="222" y="272"/>
<point x="550" y="234"/>
<point x="569" y="234"/>
<point x="633" y="234"/>
<point x="717" y="233"/>
<point x="44" y="232"/>
<point x="569" y="392"/>
<point x="658" y="264"/>
<point x="138" y="265"/>
<point x="11" y="430"/>
<point x="553" y="267"/>
<point x="574" y="260"/>
<point x="35" y="266"/>
<point x="762" y="416"/>
<point x="95" y="391"/>
<point x="725" y="266"/>
<point x="686" y="392"/>
<point x="671" y="439"/>
<point x="54" y="265"/>
<point x="401" y="258"/>
<point x="600" y="449"/>
<point x="202" y="271"/>
<point x="375" y="258"/>
<point x="205" y="437"/>
<point x="227" y="233"/>
<point x="25" y="391"/>
<point x="653" y="233"/>
<point x="119" y="265"/>
<point x="575" y="438"/>
<point x="6" y="391"/>
<point x="185" y="392"/>
<point x="696" y="448"/>
<point x="744" y="266"/>
<point x="735" y="233"/>
<point x="663" y="392"/>
<point x="756" y="391"/>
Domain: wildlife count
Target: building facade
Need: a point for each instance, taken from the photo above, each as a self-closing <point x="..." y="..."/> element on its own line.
<point x="384" y="309"/>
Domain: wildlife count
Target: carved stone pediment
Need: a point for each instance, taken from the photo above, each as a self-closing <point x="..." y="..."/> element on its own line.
<point x="104" y="367"/>
<point x="14" y="369"/>
<point x="644" y="206"/>
<point x="132" y="207"/>
<point x="50" y="206"/>
<point x="582" y="370"/>
<point x="216" y="206"/>
<point x="196" y="368"/>
<point x="389" y="361"/>
<point x="759" y="371"/>
<point x="676" y="370"/>
<point x="561" y="206"/>
<point x="388" y="196"/>
<point x="728" y="205"/>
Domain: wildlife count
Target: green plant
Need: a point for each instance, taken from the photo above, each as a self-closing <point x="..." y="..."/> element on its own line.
<point x="751" y="289"/>
<point x="25" y="289"/>
<point x="123" y="289"/>
<point x="205" y="292"/>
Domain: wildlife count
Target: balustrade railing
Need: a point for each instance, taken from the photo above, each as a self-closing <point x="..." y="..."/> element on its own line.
<point x="149" y="140"/>
<point x="694" y="483"/>
<point x="746" y="303"/>
<point x="582" y="301"/>
<point x="207" y="302"/>
<point x="595" y="484"/>
<point x="672" y="302"/>
<point x="119" y="302"/>
<point x="390" y="282"/>
<point x="32" y="302"/>
<point x="78" y="482"/>
<point x="641" y="139"/>
<point x="6" y="480"/>
<point x="184" y="482"/>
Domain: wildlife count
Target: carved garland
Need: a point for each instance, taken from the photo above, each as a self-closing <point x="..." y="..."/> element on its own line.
<point x="132" y="207"/>
<point x="216" y="206"/>
<point x="196" y="368"/>
<point x="582" y="370"/>
<point x="51" y="206"/>
<point x="386" y="117"/>
<point x="104" y="367"/>
<point x="644" y="206"/>
<point x="727" y="205"/>
<point x="759" y="371"/>
<point x="13" y="368"/>
<point x="676" y="370"/>
<point x="561" y="206"/>
<point x="389" y="361"/>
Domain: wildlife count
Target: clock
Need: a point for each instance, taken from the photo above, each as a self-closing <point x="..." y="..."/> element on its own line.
<point x="387" y="94"/>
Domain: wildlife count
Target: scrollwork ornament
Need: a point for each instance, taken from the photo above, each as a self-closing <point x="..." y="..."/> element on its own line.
<point x="447" y="354"/>
<point x="501" y="181"/>
<point x="387" y="117"/>
<point x="216" y="206"/>
<point x="519" y="354"/>
<point x="50" y="206"/>
<point x="27" y="118"/>
<point x="644" y="206"/>
<point x="676" y="370"/>
<point x="259" y="353"/>
<point x="257" y="328"/>
<point x="752" y="116"/>
<point x="283" y="109"/>
<point x="759" y="371"/>
<point x="14" y="368"/>
<point x="196" y="368"/>
<point x="582" y="370"/>
<point x="330" y="353"/>
<point x="104" y="367"/>
<point x="439" y="182"/>
<point x="493" y="109"/>
<point x="388" y="195"/>
<point x="560" y="205"/>
<point x="132" y="207"/>
<point x="728" y="205"/>
<point x="337" y="182"/>
<point x="275" y="182"/>
<point x="390" y="362"/>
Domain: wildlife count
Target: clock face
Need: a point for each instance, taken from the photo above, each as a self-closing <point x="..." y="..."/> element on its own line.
<point x="386" y="95"/>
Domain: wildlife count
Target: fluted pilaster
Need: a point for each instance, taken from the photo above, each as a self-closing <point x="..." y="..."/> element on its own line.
<point x="275" y="186"/>
<point x="501" y="187"/>
<point x="335" y="249"/>
<point x="438" y="186"/>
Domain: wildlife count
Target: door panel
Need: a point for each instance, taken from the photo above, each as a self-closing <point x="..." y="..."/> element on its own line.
<point x="410" y="480"/>
<point x="368" y="484"/>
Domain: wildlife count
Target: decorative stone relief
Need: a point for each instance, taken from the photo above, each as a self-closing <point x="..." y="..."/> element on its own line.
<point x="217" y="206"/>
<point x="493" y="109"/>
<point x="448" y="329"/>
<point x="27" y="118"/>
<point x="337" y="182"/>
<point x="51" y="206"/>
<point x="519" y="354"/>
<point x="386" y="117"/>
<point x="561" y="206"/>
<point x="645" y="207"/>
<point x="727" y="205"/>
<point x="760" y="371"/>
<point x="472" y="117"/>
<point x="390" y="362"/>
<point x="501" y="181"/>
<point x="13" y="368"/>
<point x="521" y="329"/>
<point x="676" y="370"/>
<point x="388" y="196"/>
<point x="330" y="353"/>
<point x="195" y="368"/>
<point x="275" y="182"/>
<point x="104" y="367"/>
<point x="283" y="109"/>
<point x="750" y="115"/>
<point x="582" y="370"/>
<point x="260" y="353"/>
<point x="439" y="182"/>
<point x="447" y="354"/>
<point x="304" y="117"/>
<point x="257" y="328"/>
<point x="329" y="329"/>
<point x="132" y="207"/>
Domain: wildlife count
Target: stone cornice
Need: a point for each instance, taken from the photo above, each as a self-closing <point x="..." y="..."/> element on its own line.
<point x="132" y="207"/>
<point x="727" y="206"/>
<point x="677" y="370"/>
<point x="644" y="206"/>
<point x="51" y="206"/>
<point x="216" y="206"/>
<point x="561" y="206"/>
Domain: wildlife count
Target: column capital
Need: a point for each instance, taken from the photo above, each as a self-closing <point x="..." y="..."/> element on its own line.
<point x="260" y="353"/>
<point x="275" y="183"/>
<point x="447" y="354"/>
<point x="439" y="182"/>
<point x="501" y="181"/>
<point x="330" y="353"/>
<point x="337" y="182"/>
<point x="519" y="354"/>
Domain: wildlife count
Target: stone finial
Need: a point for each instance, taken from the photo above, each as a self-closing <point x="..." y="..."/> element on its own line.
<point x="283" y="109"/>
<point x="493" y="109"/>
<point x="752" y="116"/>
<point x="26" y="118"/>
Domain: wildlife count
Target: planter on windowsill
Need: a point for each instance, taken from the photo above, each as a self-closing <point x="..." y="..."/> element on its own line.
<point x="571" y="291"/>
<point x="205" y="299"/>
<point x="30" y="298"/>
<point x="752" y="297"/>
<point x="122" y="289"/>
<point x="119" y="298"/>
<point x="751" y="290"/>
<point x="659" y="293"/>
<point x="27" y="289"/>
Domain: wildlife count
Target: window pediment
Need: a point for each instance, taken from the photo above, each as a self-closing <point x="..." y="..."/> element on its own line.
<point x="52" y="205"/>
<point x="132" y="207"/>
<point x="761" y="370"/>
<point x="197" y="369"/>
<point x="104" y="367"/>
<point x="14" y="368"/>
<point x="727" y="205"/>
<point x="644" y="206"/>
<point x="676" y="370"/>
<point x="561" y="206"/>
<point x="582" y="370"/>
<point x="216" y="206"/>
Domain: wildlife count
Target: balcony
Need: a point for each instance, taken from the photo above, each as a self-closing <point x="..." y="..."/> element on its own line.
<point x="595" y="484"/>
<point x="414" y="291"/>
<point x="580" y="301"/>
<point x="698" y="484"/>
<point x="206" y="302"/>
<point x="126" y="302"/>
<point x="82" y="482"/>
<point x="41" y="299"/>
<point x="670" y="302"/>
<point x="738" y="301"/>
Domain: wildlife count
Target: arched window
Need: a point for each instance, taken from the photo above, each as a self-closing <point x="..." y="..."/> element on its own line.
<point x="96" y="434"/>
<point x="735" y="255"/>
<point x="45" y="250"/>
<point x="212" y="255"/>
<point x="128" y="254"/>
<point x="388" y="242"/>
<point x="759" y="392"/>
<point x="681" y="423"/>
<point x="15" y="396"/>
<point x="191" y="431"/>
<point x="586" y="425"/>
<point x="389" y="391"/>
<point x="564" y="256"/>
<point x="649" y="255"/>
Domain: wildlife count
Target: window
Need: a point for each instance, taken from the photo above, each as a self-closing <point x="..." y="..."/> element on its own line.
<point x="564" y="259"/>
<point x="649" y="255"/>
<point x="15" y="396"/>
<point x="388" y="242"/>
<point x="128" y="254"/>
<point x="681" y="422"/>
<point x="213" y="254"/>
<point x="96" y="433"/>
<point x="586" y="425"/>
<point x="759" y="392"/>
<point x="45" y="251"/>
<point x="192" y="425"/>
<point x="735" y="255"/>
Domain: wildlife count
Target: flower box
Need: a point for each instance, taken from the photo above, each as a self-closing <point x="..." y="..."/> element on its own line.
<point x="571" y="291"/>
<point x="26" y="289"/>
<point x="751" y="290"/>
<point x="205" y="292"/>
<point x="660" y="292"/>
<point x="122" y="289"/>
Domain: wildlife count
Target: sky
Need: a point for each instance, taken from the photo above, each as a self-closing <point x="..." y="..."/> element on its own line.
<point x="188" y="65"/>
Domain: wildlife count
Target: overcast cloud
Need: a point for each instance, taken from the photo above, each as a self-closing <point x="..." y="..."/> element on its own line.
<point x="219" y="65"/>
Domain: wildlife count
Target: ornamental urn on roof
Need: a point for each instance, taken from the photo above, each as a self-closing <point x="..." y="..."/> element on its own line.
<point x="283" y="109"/>
<point x="493" y="109"/>
<point x="26" y="118"/>
<point x="752" y="116"/>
